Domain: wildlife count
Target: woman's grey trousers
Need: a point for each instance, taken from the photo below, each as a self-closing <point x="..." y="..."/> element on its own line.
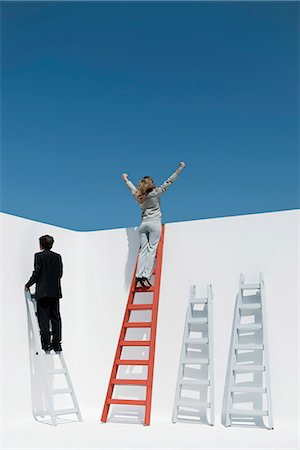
<point x="149" y="233"/>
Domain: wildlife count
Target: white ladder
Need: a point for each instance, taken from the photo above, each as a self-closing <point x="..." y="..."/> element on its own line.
<point x="194" y="395"/>
<point x="248" y="372"/>
<point x="43" y="359"/>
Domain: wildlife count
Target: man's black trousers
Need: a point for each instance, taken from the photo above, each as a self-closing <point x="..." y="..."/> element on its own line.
<point x="48" y="314"/>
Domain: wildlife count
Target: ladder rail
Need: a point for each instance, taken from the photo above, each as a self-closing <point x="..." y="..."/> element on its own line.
<point x="118" y="352"/>
<point x="154" y="328"/>
<point x="182" y="353"/>
<point x="211" y="353"/>
<point x="232" y="353"/>
<point x="265" y="338"/>
<point x="31" y="308"/>
<point x="70" y="385"/>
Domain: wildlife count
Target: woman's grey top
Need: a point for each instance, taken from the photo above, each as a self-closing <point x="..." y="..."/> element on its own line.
<point x="151" y="205"/>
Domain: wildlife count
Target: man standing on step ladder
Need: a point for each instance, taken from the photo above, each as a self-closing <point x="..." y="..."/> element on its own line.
<point x="48" y="270"/>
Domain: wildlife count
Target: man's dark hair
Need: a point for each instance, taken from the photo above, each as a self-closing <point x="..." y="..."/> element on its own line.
<point x="46" y="242"/>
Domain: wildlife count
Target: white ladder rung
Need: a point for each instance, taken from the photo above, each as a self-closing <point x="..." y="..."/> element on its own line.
<point x="249" y="326"/>
<point x="250" y="306"/>
<point x="194" y="382"/>
<point x="249" y="347"/>
<point x="248" y="368"/>
<point x="62" y="391"/>
<point x="197" y="320"/>
<point x="196" y="341"/>
<point x="250" y="286"/>
<point x="248" y="389"/>
<point x="200" y="300"/>
<point x="248" y="412"/>
<point x="192" y="403"/>
<point x="56" y="371"/>
<point x="62" y="412"/>
<point x="195" y="361"/>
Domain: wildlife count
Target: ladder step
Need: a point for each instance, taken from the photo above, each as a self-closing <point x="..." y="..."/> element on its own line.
<point x="138" y="325"/>
<point x="56" y="371"/>
<point x="132" y="362"/>
<point x="192" y="403"/>
<point x="247" y="412"/>
<point x="249" y="368"/>
<point x="249" y="306"/>
<point x="197" y="320"/>
<point x="62" y="391"/>
<point x="249" y="347"/>
<point x="142" y="306"/>
<point x="142" y="289"/>
<point x="248" y="389"/>
<point x="199" y="300"/>
<point x="117" y="401"/>
<point x="196" y="341"/>
<point x="249" y="326"/>
<point x="135" y="343"/>
<point x="194" y="382"/>
<point x="61" y="412"/>
<point x="195" y="361"/>
<point x="250" y="286"/>
<point x="128" y="382"/>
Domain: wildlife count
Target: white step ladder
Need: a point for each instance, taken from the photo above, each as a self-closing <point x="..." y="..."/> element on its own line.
<point x="43" y="361"/>
<point x="194" y="396"/>
<point x="248" y="379"/>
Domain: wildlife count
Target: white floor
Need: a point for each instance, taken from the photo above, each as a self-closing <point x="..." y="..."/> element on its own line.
<point x="160" y="435"/>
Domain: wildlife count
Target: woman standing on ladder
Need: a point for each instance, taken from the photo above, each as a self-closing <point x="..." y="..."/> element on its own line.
<point x="148" y="197"/>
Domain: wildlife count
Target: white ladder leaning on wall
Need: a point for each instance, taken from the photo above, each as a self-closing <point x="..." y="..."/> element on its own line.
<point x="194" y="396"/>
<point x="248" y="376"/>
<point x="44" y="359"/>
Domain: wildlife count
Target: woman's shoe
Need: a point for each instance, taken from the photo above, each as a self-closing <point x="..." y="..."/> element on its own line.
<point x="139" y="282"/>
<point x="146" y="282"/>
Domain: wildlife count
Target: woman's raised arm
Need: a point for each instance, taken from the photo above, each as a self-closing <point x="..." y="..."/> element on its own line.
<point x="163" y="187"/>
<point x="129" y="184"/>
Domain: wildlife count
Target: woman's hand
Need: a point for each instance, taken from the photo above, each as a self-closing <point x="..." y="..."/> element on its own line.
<point x="125" y="176"/>
<point x="181" y="166"/>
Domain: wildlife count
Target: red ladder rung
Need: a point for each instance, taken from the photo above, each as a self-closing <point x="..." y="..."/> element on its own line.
<point x="142" y="289"/>
<point x="117" y="401"/>
<point x="141" y="306"/>
<point x="134" y="382"/>
<point x="132" y="362"/>
<point x="138" y="324"/>
<point x="135" y="343"/>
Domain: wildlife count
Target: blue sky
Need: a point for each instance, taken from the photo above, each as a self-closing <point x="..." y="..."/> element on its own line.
<point x="93" y="89"/>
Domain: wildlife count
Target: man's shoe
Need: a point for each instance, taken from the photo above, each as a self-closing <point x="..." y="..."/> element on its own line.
<point x="56" y="347"/>
<point x="47" y="347"/>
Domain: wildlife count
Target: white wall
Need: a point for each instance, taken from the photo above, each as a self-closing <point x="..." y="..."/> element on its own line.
<point x="98" y="270"/>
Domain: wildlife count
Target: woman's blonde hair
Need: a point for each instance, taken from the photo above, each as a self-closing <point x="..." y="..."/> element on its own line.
<point x="145" y="186"/>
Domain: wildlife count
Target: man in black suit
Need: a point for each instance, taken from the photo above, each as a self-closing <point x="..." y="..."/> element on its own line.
<point x="48" y="270"/>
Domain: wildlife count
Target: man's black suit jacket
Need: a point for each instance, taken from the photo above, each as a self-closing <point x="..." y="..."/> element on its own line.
<point x="48" y="270"/>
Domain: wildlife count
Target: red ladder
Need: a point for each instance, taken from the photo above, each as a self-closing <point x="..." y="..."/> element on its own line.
<point x="118" y="361"/>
